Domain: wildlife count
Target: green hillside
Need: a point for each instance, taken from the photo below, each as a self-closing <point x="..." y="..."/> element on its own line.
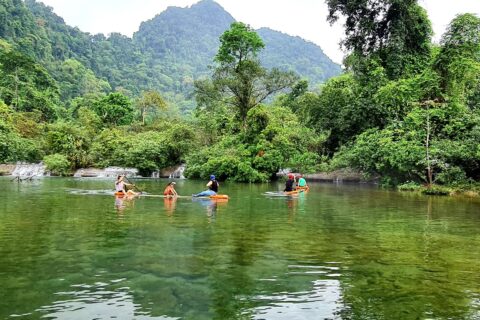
<point x="167" y="53"/>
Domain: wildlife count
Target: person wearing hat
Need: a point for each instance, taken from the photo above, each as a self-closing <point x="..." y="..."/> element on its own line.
<point x="212" y="188"/>
<point x="170" y="190"/>
<point x="290" y="182"/>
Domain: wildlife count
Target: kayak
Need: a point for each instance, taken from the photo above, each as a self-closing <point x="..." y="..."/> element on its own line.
<point x="294" y="192"/>
<point x="215" y="197"/>
<point x="219" y="196"/>
<point x="306" y="188"/>
<point x="283" y="193"/>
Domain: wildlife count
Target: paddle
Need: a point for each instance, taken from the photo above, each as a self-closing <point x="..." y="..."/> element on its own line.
<point x="138" y="189"/>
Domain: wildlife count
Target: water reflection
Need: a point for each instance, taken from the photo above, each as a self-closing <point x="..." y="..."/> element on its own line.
<point x="123" y="202"/>
<point x="394" y="256"/>
<point x="170" y="204"/>
<point x="210" y="206"/>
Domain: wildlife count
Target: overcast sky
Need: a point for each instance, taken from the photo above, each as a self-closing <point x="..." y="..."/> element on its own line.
<point x="304" y="18"/>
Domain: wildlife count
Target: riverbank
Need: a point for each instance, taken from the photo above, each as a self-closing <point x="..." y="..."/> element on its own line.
<point x="467" y="190"/>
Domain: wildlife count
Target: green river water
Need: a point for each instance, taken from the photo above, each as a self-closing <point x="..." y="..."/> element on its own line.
<point x="69" y="250"/>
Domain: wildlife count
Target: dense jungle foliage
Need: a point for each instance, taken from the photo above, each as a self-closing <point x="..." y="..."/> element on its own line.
<point x="404" y="108"/>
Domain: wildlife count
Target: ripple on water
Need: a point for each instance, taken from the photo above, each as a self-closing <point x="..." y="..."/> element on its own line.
<point x="95" y="301"/>
<point x="322" y="301"/>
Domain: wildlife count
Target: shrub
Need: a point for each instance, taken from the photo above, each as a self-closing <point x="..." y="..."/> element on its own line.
<point x="409" y="186"/>
<point x="57" y="164"/>
<point x="435" y="190"/>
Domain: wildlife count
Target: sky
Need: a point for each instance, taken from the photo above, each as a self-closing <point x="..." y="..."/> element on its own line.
<point x="304" y="18"/>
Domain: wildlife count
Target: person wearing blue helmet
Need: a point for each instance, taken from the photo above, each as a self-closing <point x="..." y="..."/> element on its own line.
<point x="212" y="188"/>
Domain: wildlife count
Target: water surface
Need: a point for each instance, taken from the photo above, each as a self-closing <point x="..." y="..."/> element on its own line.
<point x="69" y="250"/>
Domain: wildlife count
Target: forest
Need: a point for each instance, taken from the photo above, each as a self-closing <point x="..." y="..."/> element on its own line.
<point x="404" y="108"/>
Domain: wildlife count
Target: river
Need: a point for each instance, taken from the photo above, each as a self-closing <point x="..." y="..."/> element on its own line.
<point x="70" y="250"/>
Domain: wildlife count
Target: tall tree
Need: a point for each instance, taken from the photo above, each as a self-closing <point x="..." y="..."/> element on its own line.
<point x="397" y="32"/>
<point x="238" y="75"/>
<point x="150" y="101"/>
<point x="458" y="62"/>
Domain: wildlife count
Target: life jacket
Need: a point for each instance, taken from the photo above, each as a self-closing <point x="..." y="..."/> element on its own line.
<point x="214" y="186"/>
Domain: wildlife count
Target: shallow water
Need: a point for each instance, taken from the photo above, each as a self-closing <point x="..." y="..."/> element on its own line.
<point x="70" y="250"/>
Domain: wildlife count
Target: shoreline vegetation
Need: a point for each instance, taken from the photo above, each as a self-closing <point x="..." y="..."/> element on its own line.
<point x="471" y="190"/>
<point x="405" y="110"/>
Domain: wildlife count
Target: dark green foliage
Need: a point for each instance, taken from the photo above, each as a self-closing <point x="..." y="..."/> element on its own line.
<point x="437" y="191"/>
<point x="57" y="164"/>
<point x="459" y="60"/>
<point x="14" y="148"/>
<point x="273" y="139"/>
<point x="114" y="109"/>
<point x="26" y="85"/>
<point x="110" y="147"/>
<point x="150" y="151"/>
<point x="70" y="140"/>
<point x="397" y="32"/>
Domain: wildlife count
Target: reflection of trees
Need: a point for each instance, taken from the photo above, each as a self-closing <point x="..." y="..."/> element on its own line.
<point x="51" y="236"/>
<point x="406" y="269"/>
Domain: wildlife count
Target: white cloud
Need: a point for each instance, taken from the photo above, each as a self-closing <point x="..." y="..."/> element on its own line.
<point x="305" y="18"/>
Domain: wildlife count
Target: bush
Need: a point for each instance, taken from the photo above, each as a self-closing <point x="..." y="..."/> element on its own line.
<point x="452" y="176"/>
<point x="409" y="186"/>
<point x="57" y="164"/>
<point x="435" y="190"/>
<point x="70" y="140"/>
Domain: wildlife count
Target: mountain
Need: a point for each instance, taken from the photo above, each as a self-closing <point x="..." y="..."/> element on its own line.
<point x="167" y="53"/>
<point x="294" y="53"/>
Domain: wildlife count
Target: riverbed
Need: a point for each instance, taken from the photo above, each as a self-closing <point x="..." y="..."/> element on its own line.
<point x="70" y="250"/>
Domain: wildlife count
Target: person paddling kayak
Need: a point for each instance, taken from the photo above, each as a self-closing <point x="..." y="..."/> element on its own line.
<point x="212" y="188"/>
<point x="121" y="185"/>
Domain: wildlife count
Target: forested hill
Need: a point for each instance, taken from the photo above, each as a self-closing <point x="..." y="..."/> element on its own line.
<point x="167" y="53"/>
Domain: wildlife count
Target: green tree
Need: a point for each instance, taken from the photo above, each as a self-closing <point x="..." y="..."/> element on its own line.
<point x="458" y="62"/>
<point x="150" y="102"/>
<point x="57" y="164"/>
<point x="114" y="109"/>
<point x="238" y="76"/>
<point x="71" y="141"/>
<point x="397" y="32"/>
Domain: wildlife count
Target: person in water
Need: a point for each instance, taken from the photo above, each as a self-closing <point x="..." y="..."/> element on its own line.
<point x="302" y="183"/>
<point x="170" y="190"/>
<point x="121" y="186"/>
<point x="290" y="182"/>
<point x="212" y="188"/>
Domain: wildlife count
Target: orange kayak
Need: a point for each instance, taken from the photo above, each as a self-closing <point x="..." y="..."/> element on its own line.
<point x="219" y="196"/>
<point x="306" y="188"/>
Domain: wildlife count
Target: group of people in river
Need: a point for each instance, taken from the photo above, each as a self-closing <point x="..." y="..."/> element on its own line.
<point x="291" y="184"/>
<point x="125" y="188"/>
<point x="122" y="187"/>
